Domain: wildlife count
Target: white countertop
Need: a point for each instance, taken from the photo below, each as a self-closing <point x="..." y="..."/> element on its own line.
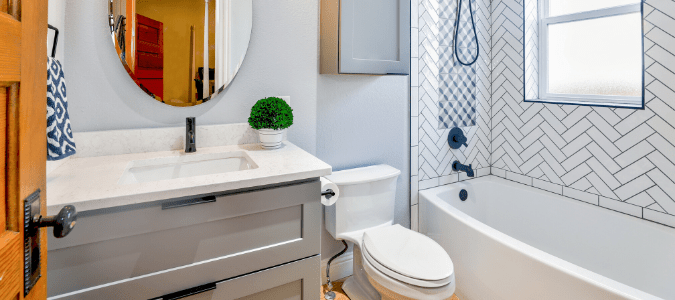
<point x="91" y="183"/>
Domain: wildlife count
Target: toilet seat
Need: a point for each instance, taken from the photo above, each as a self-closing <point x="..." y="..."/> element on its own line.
<point x="407" y="256"/>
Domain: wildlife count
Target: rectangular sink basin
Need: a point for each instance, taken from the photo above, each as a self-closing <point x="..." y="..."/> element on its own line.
<point x="189" y="165"/>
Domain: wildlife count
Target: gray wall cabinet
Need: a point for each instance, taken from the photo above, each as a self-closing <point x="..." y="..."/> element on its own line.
<point x="246" y="243"/>
<point x="365" y="37"/>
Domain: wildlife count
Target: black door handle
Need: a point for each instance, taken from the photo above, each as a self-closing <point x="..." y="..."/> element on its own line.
<point x="63" y="222"/>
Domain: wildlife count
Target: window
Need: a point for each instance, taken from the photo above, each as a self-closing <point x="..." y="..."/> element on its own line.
<point x="588" y="52"/>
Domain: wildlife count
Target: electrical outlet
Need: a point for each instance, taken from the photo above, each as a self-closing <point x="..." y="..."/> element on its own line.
<point x="286" y="98"/>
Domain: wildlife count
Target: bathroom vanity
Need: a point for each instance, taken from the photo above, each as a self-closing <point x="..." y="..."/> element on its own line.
<point x="248" y="233"/>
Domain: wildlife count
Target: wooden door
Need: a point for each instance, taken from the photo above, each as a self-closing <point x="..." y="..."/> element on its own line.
<point x="23" y="92"/>
<point x="150" y="54"/>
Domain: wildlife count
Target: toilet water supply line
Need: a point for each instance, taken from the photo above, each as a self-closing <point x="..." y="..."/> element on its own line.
<point x="330" y="294"/>
<point x="475" y="34"/>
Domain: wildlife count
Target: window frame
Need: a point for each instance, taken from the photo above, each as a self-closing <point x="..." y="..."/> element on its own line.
<point x="581" y="99"/>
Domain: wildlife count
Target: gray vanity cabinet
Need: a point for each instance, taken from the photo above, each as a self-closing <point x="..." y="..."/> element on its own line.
<point x="239" y="244"/>
<point x="365" y="37"/>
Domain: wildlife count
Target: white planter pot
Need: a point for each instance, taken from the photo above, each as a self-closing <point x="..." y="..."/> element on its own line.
<point x="270" y="138"/>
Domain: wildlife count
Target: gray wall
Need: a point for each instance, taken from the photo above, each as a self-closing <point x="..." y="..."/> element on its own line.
<point x="281" y="61"/>
<point x="364" y="120"/>
<point x="56" y="18"/>
<point x="353" y="121"/>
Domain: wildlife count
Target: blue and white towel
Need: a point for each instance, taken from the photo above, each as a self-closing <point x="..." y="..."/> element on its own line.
<point x="60" y="142"/>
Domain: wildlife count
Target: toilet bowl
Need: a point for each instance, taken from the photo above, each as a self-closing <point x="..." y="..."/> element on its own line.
<point x="390" y="261"/>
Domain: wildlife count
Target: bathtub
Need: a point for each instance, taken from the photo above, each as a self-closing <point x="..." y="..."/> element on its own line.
<point x="511" y="241"/>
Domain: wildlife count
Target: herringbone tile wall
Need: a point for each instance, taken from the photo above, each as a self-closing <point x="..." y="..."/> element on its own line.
<point x="431" y="157"/>
<point x="621" y="159"/>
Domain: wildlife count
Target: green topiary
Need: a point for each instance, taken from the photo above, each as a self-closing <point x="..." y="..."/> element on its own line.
<point x="271" y="113"/>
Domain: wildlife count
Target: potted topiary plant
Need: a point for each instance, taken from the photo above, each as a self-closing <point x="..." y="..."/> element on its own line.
<point x="271" y="116"/>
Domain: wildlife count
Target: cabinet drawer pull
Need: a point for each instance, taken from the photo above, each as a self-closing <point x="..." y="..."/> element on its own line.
<point x="188" y="202"/>
<point x="189" y="292"/>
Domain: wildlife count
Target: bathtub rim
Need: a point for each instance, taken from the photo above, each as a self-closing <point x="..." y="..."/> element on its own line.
<point x="431" y="197"/>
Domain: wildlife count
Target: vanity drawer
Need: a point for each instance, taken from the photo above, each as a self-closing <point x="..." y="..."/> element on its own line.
<point x="245" y="231"/>
<point x="295" y="280"/>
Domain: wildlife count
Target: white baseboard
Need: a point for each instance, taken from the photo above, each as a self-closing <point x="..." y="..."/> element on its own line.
<point x="341" y="267"/>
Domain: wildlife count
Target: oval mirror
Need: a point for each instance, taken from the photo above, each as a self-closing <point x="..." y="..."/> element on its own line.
<point x="165" y="44"/>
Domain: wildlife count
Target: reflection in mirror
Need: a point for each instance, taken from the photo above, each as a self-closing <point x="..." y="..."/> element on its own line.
<point x="165" y="44"/>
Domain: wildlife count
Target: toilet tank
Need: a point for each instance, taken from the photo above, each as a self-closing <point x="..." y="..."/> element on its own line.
<point x="366" y="200"/>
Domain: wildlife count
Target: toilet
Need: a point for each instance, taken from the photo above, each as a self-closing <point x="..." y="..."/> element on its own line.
<point x="390" y="261"/>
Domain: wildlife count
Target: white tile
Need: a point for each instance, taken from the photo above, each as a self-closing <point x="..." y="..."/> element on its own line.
<point x="429" y="183"/>
<point x="603" y="172"/>
<point x="576" y="159"/>
<point x="452" y="178"/>
<point x="414" y="42"/>
<point x="414" y="13"/>
<point x="414" y="190"/>
<point x="633" y="137"/>
<point x="414" y="72"/>
<point x="577" y="144"/>
<point x="636" y="169"/>
<point x="414" y="131"/>
<point x="482" y="172"/>
<point x="414" y="101"/>
<point x="665" y="184"/>
<point x="623" y="207"/>
<point x="519" y="178"/>
<point x="662" y="199"/>
<point x="634" y="187"/>
<point x="600" y="186"/>
<point x="582" y="184"/>
<point x="604" y="143"/>
<point x="427" y="169"/>
<point x="576" y="174"/>
<point x="579" y="195"/>
<point x="498" y="172"/>
<point x="576" y="130"/>
<point x="642" y="199"/>
<point x="604" y="127"/>
<point x="656" y="207"/>
<point x="659" y="217"/>
<point x="634" y="153"/>
<point x="414" y="160"/>
<point x="549" y="186"/>
<point x="607" y="153"/>
<point x="414" y="218"/>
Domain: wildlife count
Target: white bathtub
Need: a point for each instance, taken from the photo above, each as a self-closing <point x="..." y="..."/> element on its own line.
<point x="514" y="242"/>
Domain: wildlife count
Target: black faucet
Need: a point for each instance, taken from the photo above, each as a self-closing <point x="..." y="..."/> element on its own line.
<point x="190" y="135"/>
<point x="456" y="166"/>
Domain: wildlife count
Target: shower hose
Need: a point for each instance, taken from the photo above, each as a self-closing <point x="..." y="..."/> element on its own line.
<point x="473" y="24"/>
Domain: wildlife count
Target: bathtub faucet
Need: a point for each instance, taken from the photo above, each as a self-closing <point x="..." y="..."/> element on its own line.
<point x="456" y="166"/>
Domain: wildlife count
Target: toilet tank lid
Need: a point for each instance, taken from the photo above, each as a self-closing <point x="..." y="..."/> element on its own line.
<point x="363" y="175"/>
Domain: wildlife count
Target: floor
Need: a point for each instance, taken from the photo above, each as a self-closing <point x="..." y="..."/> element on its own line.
<point x="337" y="288"/>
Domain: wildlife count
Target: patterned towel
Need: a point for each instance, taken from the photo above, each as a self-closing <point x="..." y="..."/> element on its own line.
<point x="60" y="142"/>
